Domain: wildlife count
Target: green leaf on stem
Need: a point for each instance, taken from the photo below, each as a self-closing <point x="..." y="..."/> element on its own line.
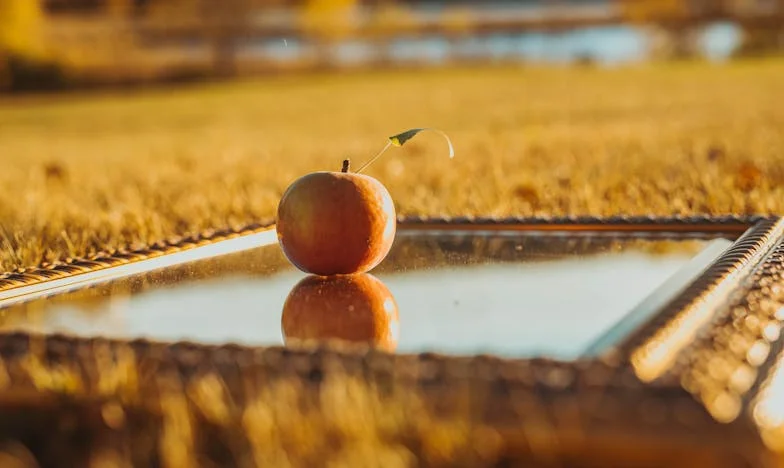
<point x="401" y="138"/>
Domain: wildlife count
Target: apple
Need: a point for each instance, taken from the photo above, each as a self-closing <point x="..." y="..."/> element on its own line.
<point x="339" y="223"/>
<point x="336" y="223"/>
<point x="351" y="308"/>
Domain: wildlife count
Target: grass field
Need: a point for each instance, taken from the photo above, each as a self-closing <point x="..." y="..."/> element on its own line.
<point x="85" y="173"/>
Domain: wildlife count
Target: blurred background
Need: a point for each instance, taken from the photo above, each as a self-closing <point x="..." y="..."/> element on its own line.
<point x="67" y="44"/>
<point x="123" y="122"/>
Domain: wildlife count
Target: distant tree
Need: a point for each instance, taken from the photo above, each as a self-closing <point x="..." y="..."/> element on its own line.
<point x="120" y="38"/>
<point x="457" y="20"/>
<point x="653" y="11"/>
<point x="760" y="39"/>
<point x="119" y="8"/>
<point x="21" y="23"/>
<point x="389" y="19"/>
<point x="327" y="22"/>
<point x="457" y="23"/>
<point x="668" y="21"/>
<point x="225" y="23"/>
<point x="755" y="7"/>
<point x="220" y="23"/>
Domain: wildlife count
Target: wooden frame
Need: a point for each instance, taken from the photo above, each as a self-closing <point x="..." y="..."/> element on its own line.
<point x="700" y="384"/>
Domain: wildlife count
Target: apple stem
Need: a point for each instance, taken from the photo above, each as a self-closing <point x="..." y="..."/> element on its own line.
<point x="346" y="165"/>
<point x="373" y="159"/>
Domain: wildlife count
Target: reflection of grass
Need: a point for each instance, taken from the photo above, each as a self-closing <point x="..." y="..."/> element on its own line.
<point x="184" y="407"/>
<point x="85" y="174"/>
<point x="278" y="422"/>
<point x="432" y="252"/>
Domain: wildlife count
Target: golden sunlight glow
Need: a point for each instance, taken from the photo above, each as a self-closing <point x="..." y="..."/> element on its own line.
<point x="768" y="408"/>
<point x="654" y="357"/>
<point x="658" y="353"/>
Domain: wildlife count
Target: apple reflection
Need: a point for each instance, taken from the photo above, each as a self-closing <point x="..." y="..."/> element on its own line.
<point x="351" y="308"/>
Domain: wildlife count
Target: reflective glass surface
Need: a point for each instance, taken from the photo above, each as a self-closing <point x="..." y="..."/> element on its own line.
<point x="510" y="293"/>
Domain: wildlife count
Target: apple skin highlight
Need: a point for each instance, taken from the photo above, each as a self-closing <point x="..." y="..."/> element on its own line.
<point x="336" y="223"/>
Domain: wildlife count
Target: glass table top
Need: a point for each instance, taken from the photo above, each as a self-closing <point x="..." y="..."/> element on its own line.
<point x="509" y="293"/>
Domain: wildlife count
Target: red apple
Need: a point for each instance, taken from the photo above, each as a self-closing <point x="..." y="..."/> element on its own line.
<point x="354" y="308"/>
<point x="334" y="223"/>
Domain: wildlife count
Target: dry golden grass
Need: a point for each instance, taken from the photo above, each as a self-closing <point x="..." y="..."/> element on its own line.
<point x="85" y="173"/>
